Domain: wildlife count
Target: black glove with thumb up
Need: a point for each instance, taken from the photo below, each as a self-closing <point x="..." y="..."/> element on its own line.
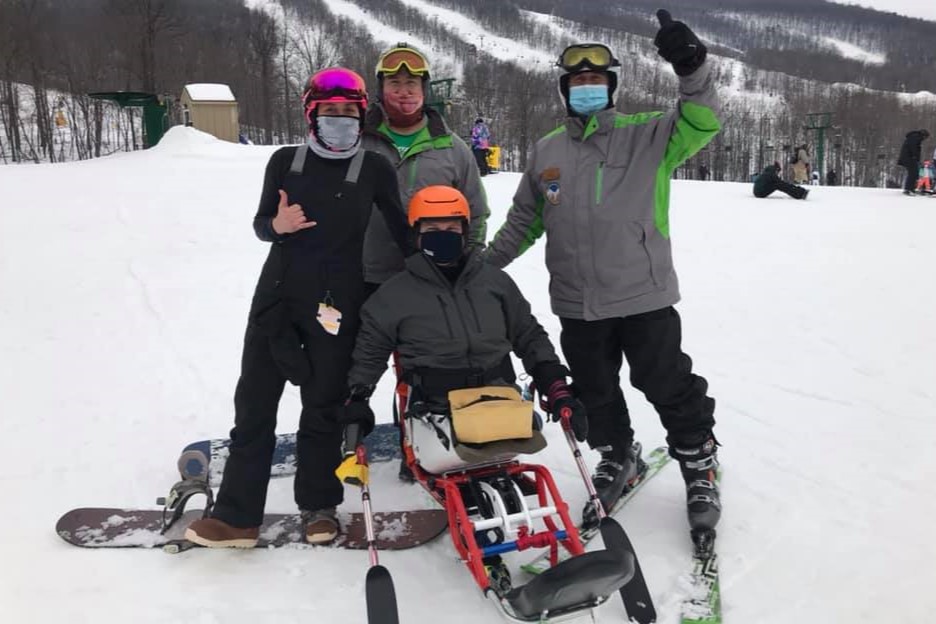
<point x="678" y="45"/>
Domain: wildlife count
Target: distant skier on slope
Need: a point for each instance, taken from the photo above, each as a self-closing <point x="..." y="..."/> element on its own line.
<point x="909" y="159"/>
<point x="481" y="144"/>
<point x="927" y="173"/>
<point x="801" y="165"/>
<point x="599" y="187"/>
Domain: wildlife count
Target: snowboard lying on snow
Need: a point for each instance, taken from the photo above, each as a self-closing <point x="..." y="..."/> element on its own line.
<point x="100" y="527"/>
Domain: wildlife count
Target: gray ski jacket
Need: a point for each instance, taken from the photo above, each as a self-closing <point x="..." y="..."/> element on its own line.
<point x="600" y="191"/>
<point x="472" y="324"/>
<point x="436" y="157"/>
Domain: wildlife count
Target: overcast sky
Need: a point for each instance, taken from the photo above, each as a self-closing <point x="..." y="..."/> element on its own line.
<point x="923" y="9"/>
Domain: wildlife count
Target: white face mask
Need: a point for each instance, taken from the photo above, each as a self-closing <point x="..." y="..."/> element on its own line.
<point x="339" y="134"/>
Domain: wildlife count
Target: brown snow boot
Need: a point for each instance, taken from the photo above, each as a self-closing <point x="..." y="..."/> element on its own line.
<point x="215" y="533"/>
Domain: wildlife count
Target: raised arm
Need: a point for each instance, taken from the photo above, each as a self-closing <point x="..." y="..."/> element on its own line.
<point x="269" y="200"/>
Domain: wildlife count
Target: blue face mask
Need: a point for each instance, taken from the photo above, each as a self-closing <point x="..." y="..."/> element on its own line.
<point x="588" y="99"/>
<point x="442" y="246"/>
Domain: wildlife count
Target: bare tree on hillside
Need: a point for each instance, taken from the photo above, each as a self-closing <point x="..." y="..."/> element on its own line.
<point x="264" y="41"/>
<point x="145" y="22"/>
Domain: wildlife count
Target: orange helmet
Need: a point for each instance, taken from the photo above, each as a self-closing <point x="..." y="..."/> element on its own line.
<point x="438" y="202"/>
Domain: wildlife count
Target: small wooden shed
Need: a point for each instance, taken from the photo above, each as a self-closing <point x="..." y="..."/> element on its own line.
<point x="211" y="108"/>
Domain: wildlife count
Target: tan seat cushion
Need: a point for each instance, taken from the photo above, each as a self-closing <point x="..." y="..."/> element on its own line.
<point x="490" y="414"/>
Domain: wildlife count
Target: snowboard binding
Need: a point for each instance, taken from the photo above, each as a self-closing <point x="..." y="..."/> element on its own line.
<point x="178" y="498"/>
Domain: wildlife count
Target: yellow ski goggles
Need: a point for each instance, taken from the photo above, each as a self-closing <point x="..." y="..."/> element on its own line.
<point x="587" y="56"/>
<point x="395" y="59"/>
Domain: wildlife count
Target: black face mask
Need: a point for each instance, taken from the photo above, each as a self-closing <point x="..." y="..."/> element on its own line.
<point x="441" y="246"/>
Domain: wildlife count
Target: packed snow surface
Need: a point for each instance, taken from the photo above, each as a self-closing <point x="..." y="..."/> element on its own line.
<point x="126" y="282"/>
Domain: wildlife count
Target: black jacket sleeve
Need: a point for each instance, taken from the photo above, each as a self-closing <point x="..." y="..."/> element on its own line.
<point x="387" y="200"/>
<point x="375" y="342"/>
<point x="269" y="197"/>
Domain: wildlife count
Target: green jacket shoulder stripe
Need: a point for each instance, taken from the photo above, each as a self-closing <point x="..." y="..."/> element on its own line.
<point x="636" y="119"/>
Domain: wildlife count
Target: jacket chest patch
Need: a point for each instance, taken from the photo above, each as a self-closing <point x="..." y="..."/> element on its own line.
<point x="552" y="193"/>
<point x="550" y="175"/>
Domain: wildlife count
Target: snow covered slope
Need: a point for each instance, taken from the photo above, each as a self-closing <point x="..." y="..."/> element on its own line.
<point x="126" y="283"/>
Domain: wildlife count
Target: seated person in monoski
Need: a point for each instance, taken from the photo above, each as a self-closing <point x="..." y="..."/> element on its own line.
<point x="453" y="319"/>
<point x="769" y="181"/>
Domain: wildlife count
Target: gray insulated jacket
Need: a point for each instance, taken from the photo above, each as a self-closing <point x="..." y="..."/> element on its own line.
<point x="433" y="324"/>
<point x="436" y="157"/>
<point x="600" y="191"/>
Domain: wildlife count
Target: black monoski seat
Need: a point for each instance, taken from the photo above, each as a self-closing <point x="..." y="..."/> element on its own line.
<point x="575" y="583"/>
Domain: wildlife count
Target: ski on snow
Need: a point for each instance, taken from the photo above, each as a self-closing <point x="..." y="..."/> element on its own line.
<point x="702" y="605"/>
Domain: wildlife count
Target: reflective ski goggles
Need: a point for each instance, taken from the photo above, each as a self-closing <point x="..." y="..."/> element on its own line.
<point x="587" y="56"/>
<point x="393" y="60"/>
<point x="335" y="84"/>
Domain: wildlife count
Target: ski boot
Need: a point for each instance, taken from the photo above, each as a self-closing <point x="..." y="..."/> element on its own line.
<point x="699" y="467"/>
<point x="614" y="475"/>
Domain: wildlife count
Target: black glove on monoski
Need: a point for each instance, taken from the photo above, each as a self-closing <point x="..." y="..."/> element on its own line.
<point x="678" y="45"/>
<point x="356" y="417"/>
<point x="559" y="398"/>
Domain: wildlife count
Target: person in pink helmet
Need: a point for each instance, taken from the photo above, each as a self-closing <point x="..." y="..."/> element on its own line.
<point x="314" y="209"/>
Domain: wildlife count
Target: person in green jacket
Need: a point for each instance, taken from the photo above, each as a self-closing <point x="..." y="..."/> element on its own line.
<point x="598" y="186"/>
<point x="424" y="152"/>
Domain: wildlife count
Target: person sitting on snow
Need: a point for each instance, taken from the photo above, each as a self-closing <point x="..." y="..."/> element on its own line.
<point x="769" y="181"/>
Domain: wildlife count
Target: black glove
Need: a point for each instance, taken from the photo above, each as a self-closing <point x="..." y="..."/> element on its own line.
<point x="558" y="399"/>
<point x="678" y="45"/>
<point x="357" y="410"/>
